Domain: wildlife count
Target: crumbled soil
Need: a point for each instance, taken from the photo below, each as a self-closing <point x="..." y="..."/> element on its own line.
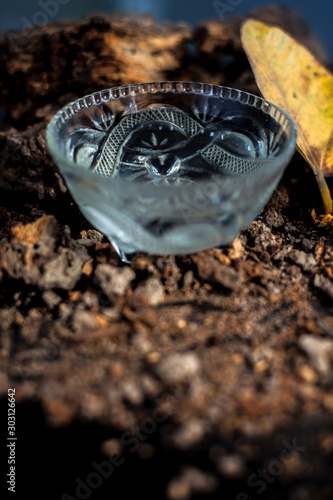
<point x="212" y="372"/>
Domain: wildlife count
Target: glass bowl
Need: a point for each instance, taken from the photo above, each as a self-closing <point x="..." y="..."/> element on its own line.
<point x="170" y="167"/>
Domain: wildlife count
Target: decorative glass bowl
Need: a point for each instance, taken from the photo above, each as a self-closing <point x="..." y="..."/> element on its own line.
<point x="171" y="167"/>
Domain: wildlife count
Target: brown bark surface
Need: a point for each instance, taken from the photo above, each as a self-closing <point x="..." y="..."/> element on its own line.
<point x="199" y="369"/>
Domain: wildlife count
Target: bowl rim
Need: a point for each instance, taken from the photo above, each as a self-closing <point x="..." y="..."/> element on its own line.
<point x="167" y="86"/>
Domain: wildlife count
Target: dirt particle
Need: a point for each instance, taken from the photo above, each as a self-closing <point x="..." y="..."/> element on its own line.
<point x="231" y="466"/>
<point x="319" y="351"/>
<point x="236" y="249"/>
<point x="324" y="284"/>
<point x="189" y="434"/>
<point x="178" y="367"/>
<point x="181" y="323"/>
<point x="304" y="260"/>
<point x="191" y="481"/>
<point x="51" y="299"/>
<point x="111" y="447"/>
<point x="150" y="292"/>
<point x="113" y="280"/>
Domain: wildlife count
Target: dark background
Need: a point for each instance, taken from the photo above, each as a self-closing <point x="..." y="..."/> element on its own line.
<point x="20" y="13"/>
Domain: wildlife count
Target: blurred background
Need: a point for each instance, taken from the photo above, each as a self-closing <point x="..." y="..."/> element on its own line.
<point x="17" y="14"/>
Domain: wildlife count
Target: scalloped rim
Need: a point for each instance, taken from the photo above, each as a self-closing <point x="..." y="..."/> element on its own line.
<point x="123" y="91"/>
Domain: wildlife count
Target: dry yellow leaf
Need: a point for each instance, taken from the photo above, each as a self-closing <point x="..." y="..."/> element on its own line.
<point x="323" y="221"/>
<point x="290" y="77"/>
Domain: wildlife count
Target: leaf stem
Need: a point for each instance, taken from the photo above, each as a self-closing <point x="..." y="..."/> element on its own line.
<point x="324" y="191"/>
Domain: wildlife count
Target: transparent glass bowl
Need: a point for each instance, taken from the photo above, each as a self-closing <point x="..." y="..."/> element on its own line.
<point x="171" y="167"/>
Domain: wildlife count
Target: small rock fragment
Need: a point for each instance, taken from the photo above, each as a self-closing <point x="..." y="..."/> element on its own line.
<point x="131" y="391"/>
<point x="212" y="271"/>
<point x="191" y="481"/>
<point x="262" y="235"/>
<point x="304" y="260"/>
<point x="282" y="252"/>
<point x="272" y="289"/>
<point x="231" y="466"/>
<point x="114" y="281"/>
<point x="170" y="272"/>
<point x="178" y="367"/>
<point x="90" y="238"/>
<point x="307" y="245"/>
<point x="273" y="219"/>
<point x="89" y="299"/>
<point x="63" y="271"/>
<point x="42" y="253"/>
<point x="51" y="299"/>
<point x="236" y="249"/>
<point x="265" y="239"/>
<point x="111" y="447"/>
<point x="318" y="350"/>
<point x="189" y="434"/>
<point x="83" y="320"/>
<point x="323" y="284"/>
<point x="188" y="279"/>
<point x="150" y="292"/>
